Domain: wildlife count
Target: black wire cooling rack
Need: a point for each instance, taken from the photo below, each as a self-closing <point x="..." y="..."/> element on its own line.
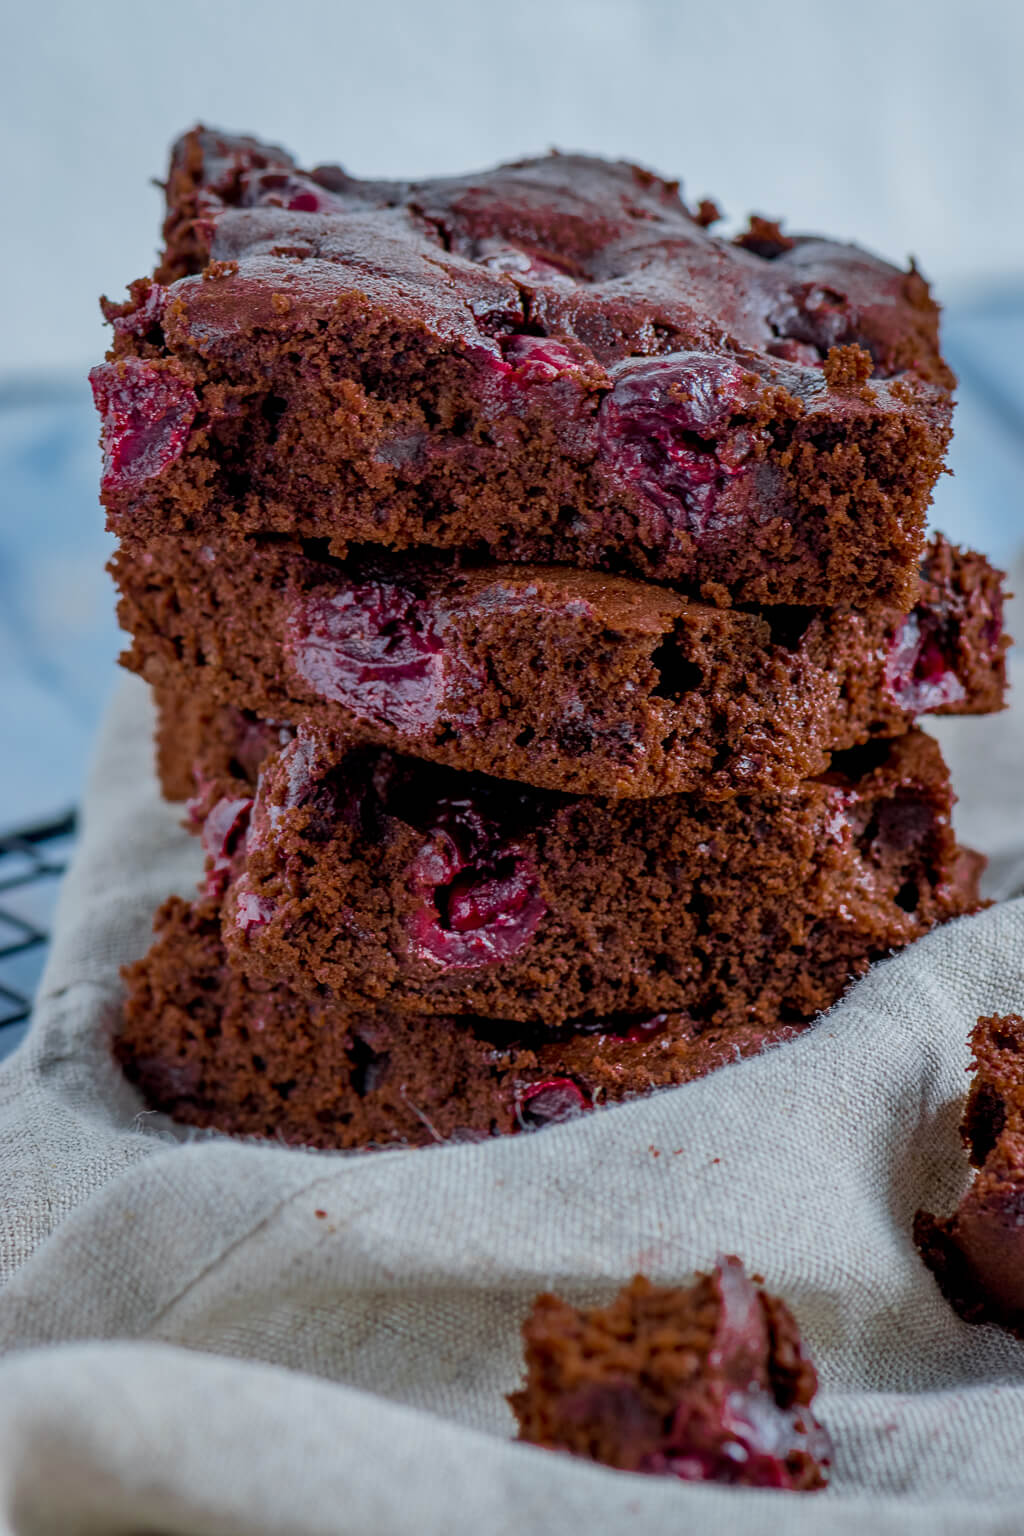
<point x="32" y="860"/>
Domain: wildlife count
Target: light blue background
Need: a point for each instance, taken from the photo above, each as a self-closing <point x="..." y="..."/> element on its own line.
<point x="898" y="123"/>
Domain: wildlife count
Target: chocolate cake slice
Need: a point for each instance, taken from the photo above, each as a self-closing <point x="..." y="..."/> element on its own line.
<point x="707" y="1384"/>
<point x="553" y="361"/>
<point x="392" y="882"/>
<point x="561" y="678"/>
<point x="213" y="1048"/>
<point x="977" y="1253"/>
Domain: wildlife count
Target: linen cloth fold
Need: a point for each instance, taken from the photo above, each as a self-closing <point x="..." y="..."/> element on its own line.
<point x="200" y="1335"/>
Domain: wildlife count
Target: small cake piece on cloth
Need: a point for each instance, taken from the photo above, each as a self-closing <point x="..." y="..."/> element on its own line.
<point x="708" y="1384"/>
<point x="977" y="1254"/>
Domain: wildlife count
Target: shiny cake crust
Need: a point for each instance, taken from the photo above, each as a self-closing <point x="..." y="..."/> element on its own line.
<point x="552" y="361"/>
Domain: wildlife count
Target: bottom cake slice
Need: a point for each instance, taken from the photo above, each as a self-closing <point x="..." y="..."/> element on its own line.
<point x="671" y="937"/>
<point x="214" y="1048"/>
<point x="211" y="1048"/>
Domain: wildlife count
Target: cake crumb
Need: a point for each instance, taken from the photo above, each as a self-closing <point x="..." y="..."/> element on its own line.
<point x="765" y="238"/>
<point x="847" y="367"/>
<point x="217" y="269"/>
<point x="708" y="213"/>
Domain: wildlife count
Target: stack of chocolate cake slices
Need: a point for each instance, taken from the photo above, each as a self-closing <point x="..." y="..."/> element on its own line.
<point x="535" y="592"/>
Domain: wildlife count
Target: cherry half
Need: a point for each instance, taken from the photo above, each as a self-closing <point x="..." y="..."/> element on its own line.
<point x="252" y="911"/>
<point x="479" y="899"/>
<point x="145" y="316"/>
<point x="666" y="428"/>
<point x="920" y="671"/>
<point x="551" y="1102"/>
<point x="146" y="414"/>
<point x="733" y="1427"/>
<point x="276" y="188"/>
<point x="223" y="837"/>
<point x="536" y="359"/>
<point x="373" y="648"/>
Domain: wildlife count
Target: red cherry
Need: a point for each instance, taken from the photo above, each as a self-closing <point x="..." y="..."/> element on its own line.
<point x="147" y="414"/>
<point x="552" y="1101"/>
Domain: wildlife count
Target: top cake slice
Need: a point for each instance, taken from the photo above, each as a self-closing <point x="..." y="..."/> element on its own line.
<point x="552" y="361"/>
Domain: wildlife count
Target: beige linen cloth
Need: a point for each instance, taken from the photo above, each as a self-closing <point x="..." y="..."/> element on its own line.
<point x="188" y="1346"/>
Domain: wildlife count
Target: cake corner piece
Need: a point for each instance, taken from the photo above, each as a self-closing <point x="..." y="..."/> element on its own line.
<point x="977" y="1253"/>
